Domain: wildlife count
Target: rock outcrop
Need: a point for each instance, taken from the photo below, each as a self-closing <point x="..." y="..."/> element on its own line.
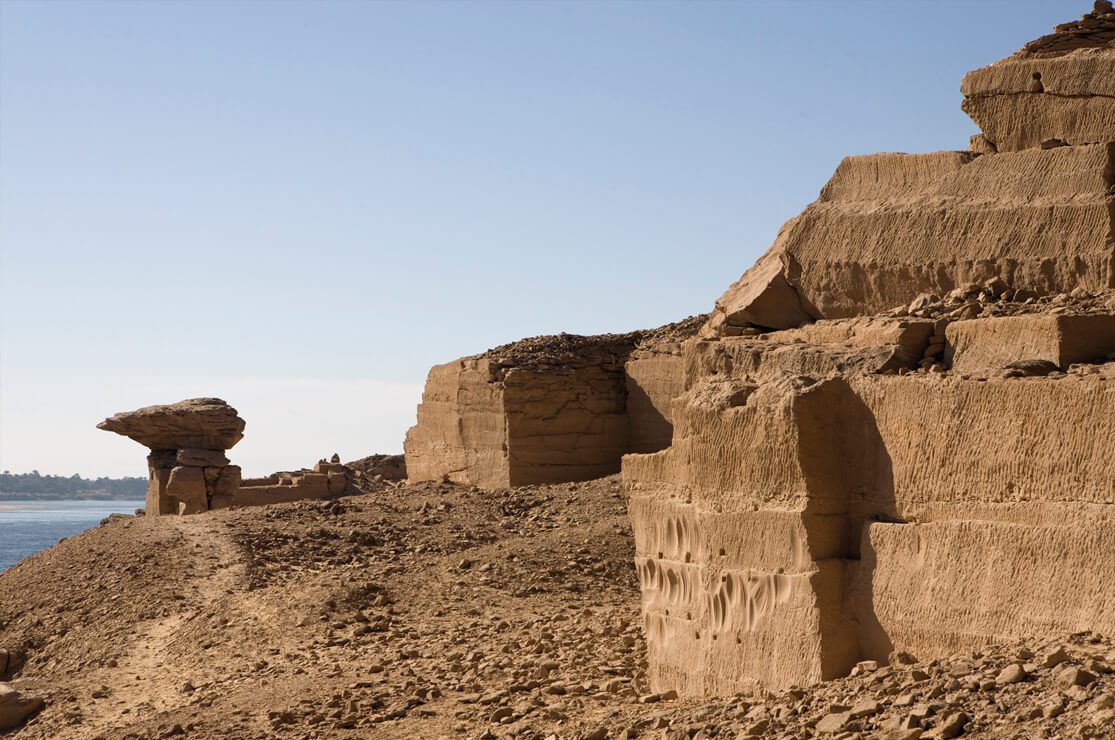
<point x="861" y="482"/>
<point x="547" y="409"/>
<point x="888" y="227"/>
<point x="1056" y="91"/>
<point x="188" y="471"/>
<point x="198" y="423"/>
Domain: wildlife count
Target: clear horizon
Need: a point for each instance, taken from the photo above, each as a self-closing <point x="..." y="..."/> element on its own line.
<point x="300" y="207"/>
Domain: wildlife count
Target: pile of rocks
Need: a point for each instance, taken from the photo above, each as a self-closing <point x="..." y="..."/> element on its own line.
<point x="1095" y="29"/>
<point x="188" y="470"/>
<point x="1056" y="689"/>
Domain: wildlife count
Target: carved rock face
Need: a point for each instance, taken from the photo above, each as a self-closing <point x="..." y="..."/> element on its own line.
<point x="198" y="423"/>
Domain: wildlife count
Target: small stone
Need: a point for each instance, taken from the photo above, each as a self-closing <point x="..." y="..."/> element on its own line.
<point x="1013" y="673"/>
<point x="500" y="714"/>
<point x="1074" y="676"/>
<point x="1055" y="658"/>
<point x="865" y="708"/>
<point x="833" y="722"/>
<point x="15" y="708"/>
<point x="757" y="729"/>
<point x="953" y="726"/>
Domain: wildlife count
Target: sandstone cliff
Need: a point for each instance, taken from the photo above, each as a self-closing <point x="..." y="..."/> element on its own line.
<point x="1039" y="215"/>
<point x="892" y="436"/>
<point x="918" y="459"/>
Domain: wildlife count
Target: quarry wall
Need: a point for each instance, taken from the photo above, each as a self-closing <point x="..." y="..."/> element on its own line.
<point x="548" y="409"/>
<point x="893" y="434"/>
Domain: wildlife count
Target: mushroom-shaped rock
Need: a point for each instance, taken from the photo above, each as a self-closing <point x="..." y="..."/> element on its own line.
<point x="198" y="423"/>
<point x="15" y="708"/>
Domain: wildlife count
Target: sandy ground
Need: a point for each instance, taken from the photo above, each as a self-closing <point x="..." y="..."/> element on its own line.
<point x="437" y="611"/>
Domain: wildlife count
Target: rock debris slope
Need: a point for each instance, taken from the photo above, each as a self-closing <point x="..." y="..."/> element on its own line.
<point x="442" y="611"/>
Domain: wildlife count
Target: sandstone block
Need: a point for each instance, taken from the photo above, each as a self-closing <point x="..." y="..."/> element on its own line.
<point x="888" y="227"/>
<point x="725" y="612"/>
<point x="652" y="382"/>
<point x="228" y="481"/>
<point x="987" y="345"/>
<point x="159" y="465"/>
<point x="205" y="423"/>
<point x="202" y="458"/>
<point x="221" y="501"/>
<point x="1060" y="87"/>
<point x="337" y="483"/>
<point x="186" y="486"/>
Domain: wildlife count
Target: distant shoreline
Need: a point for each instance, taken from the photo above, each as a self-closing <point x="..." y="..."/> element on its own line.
<point x="75" y="496"/>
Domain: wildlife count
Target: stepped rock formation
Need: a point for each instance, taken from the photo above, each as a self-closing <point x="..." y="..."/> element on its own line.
<point x="890" y="226"/>
<point x="924" y="479"/>
<point x="548" y="409"/>
<point x="893" y="435"/>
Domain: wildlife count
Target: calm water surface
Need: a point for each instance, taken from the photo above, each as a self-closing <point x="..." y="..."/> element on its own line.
<point x="29" y="526"/>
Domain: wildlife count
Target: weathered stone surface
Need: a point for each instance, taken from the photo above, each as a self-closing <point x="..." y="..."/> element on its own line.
<point x="1060" y="87"/>
<point x="544" y="410"/>
<point x="186" y="487"/>
<point x="988" y="345"/>
<point x="159" y="465"/>
<point x="16" y="708"/>
<point x="889" y="227"/>
<point x="205" y="423"/>
<point x="202" y="458"/>
<point x="337" y="482"/>
<point x="821" y="476"/>
<point x="653" y="381"/>
<point x="228" y="481"/>
<point x="784" y="462"/>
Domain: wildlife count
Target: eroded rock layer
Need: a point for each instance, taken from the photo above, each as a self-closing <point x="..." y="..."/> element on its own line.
<point x="1057" y="90"/>
<point x="889" y="227"/>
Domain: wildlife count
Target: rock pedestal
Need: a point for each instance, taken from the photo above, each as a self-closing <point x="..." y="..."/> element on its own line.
<point x="188" y="471"/>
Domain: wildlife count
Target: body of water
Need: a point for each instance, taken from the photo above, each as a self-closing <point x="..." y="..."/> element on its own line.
<point x="26" y="527"/>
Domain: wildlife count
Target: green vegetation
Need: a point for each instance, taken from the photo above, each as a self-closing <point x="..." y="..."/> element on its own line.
<point x="23" y="486"/>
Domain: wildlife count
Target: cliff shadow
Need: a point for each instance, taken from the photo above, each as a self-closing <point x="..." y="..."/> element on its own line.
<point x="851" y="482"/>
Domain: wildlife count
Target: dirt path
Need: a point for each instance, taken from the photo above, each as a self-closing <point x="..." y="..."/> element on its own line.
<point x="149" y="678"/>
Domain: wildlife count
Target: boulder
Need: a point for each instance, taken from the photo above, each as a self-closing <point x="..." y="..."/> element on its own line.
<point x="198" y="423"/>
<point x="16" y="708"/>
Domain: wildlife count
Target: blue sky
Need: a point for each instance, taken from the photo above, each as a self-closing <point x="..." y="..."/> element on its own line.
<point x="302" y="206"/>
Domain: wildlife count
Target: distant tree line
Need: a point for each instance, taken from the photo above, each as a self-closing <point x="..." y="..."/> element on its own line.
<point x="33" y="485"/>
